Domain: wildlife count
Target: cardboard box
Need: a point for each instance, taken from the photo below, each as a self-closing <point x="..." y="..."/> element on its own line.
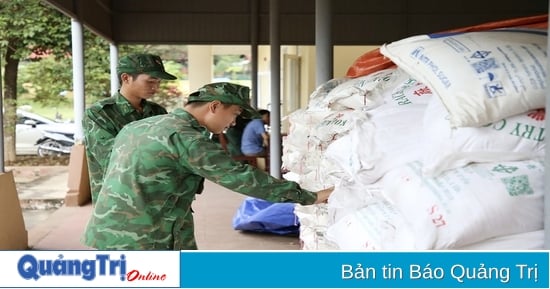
<point x="13" y="234"/>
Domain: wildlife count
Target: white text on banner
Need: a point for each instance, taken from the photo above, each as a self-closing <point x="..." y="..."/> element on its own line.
<point x="307" y="269"/>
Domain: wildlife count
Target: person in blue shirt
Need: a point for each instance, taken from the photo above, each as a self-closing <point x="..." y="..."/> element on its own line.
<point x="234" y="135"/>
<point x="255" y="138"/>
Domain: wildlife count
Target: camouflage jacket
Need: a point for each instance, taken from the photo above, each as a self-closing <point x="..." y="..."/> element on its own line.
<point x="157" y="166"/>
<point x="101" y="123"/>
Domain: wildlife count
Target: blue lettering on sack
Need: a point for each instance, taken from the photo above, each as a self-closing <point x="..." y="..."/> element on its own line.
<point x="418" y="54"/>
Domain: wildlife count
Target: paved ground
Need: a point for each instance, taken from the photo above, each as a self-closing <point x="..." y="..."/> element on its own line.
<point x="40" y="190"/>
<point x="53" y="226"/>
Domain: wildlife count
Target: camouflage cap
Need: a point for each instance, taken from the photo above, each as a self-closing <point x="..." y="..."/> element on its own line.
<point x="228" y="93"/>
<point x="143" y="63"/>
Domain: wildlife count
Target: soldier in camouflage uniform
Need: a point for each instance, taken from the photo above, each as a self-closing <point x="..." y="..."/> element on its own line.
<point x="158" y="164"/>
<point x="139" y="76"/>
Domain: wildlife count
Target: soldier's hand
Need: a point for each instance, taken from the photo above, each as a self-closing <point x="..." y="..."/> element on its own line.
<point x="322" y="195"/>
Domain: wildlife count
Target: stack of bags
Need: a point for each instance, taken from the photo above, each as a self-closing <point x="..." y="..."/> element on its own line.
<point x="442" y="151"/>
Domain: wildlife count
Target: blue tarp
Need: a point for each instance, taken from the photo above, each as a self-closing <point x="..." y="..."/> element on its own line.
<point x="266" y="217"/>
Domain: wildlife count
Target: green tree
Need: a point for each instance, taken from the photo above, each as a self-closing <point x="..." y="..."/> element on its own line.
<point x="37" y="36"/>
<point x="28" y="29"/>
<point x="47" y="78"/>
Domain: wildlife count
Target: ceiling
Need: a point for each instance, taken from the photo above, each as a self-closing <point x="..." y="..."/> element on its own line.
<point x="353" y="22"/>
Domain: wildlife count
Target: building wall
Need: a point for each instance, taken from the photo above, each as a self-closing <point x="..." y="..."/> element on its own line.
<point x="343" y="58"/>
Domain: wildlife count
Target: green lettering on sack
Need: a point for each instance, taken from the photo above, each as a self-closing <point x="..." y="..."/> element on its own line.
<point x="528" y="132"/>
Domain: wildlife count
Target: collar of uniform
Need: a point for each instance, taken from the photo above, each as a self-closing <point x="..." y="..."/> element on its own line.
<point x="179" y="112"/>
<point x="124" y="104"/>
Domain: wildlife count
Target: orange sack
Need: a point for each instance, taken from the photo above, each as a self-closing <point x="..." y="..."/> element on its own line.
<point x="373" y="60"/>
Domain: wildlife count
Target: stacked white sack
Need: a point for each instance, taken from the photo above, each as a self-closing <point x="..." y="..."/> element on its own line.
<point x="481" y="77"/>
<point x="392" y="135"/>
<point x="311" y="132"/>
<point x="463" y="208"/>
<point x="316" y="131"/>
<point x="518" y="137"/>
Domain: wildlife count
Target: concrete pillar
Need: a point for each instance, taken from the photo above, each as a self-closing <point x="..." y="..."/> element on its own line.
<point x="78" y="76"/>
<point x="200" y="66"/>
<point x="264" y="77"/>
<point x="254" y="31"/>
<point x="323" y="40"/>
<point x="275" y="109"/>
<point x="113" y="62"/>
<point x="78" y="183"/>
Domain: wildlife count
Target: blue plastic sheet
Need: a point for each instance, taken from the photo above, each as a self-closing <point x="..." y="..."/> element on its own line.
<point x="266" y="217"/>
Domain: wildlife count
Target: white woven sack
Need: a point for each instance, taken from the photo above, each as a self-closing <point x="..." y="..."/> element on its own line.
<point x="363" y="92"/>
<point x="317" y="99"/>
<point x="470" y="204"/>
<point x="406" y="91"/>
<point x="513" y="138"/>
<point x="334" y="126"/>
<point x="315" y="178"/>
<point x="481" y="77"/>
<point x="346" y="152"/>
<point x="296" y="148"/>
<point x="390" y="138"/>
<point x="349" y="197"/>
<point x="391" y="86"/>
<point x="523" y="241"/>
<point x="313" y="226"/>
<point x="378" y="226"/>
<point x="311" y="132"/>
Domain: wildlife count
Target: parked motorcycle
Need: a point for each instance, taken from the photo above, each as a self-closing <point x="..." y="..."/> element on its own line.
<point x="54" y="144"/>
